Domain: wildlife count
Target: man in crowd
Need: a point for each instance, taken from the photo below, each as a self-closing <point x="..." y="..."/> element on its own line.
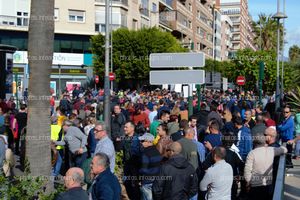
<point x="131" y="160"/>
<point x="21" y="118"/>
<point x="218" y="179"/>
<point x="178" y="178"/>
<point x="286" y="131"/>
<point x="105" y="185"/>
<point x="76" y="141"/>
<point x="258" y="168"/>
<point x="260" y="126"/>
<point x="249" y="122"/>
<point x="73" y="179"/>
<point x="189" y="148"/>
<point x="193" y="125"/>
<point x="214" y="136"/>
<point x="150" y="167"/>
<point x="105" y="145"/>
<point x="117" y="127"/>
<point x="164" y="118"/>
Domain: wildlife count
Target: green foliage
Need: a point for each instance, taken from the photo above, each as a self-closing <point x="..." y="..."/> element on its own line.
<point x="266" y="32"/>
<point x="131" y="50"/>
<point x="119" y="162"/>
<point x="26" y="188"/>
<point x="294" y="100"/>
<point x="294" y="54"/>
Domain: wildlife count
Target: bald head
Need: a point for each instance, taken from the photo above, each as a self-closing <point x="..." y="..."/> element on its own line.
<point x="175" y="147"/>
<point x="74" y="177"/>
<point x="271" y="135"/>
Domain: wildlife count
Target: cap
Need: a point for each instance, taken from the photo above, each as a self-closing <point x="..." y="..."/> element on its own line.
<point x="147" y="137"/>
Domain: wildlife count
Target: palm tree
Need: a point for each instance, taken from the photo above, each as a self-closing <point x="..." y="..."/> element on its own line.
<point x="294" y="53"/>
<point x="266" y="32"/>
<point x="40" y="52"/>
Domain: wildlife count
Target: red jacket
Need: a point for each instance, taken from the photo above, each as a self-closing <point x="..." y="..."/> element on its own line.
<point x="142" y="117"/>
<point x="270" y="122"/>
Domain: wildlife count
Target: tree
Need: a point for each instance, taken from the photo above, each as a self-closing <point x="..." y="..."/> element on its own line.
<point x="246" y="63"/>
<point x="266" y="32"/>
<point x="131" y="50"/>
<point x="40" y="52"/>
<point x="294" y="54"/>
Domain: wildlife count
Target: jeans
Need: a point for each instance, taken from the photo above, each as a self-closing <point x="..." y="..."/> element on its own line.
<point x="77" y="160"/>
<point x="297" y="148"/>
<point x="57" y="166"/>
<point x="146" y="190"/>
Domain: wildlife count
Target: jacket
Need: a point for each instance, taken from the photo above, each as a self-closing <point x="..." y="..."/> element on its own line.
<point x="286" y="129"/>
<point x="106" y="186"/>
<point x="179" y="182"/>
<point x="244" y="143"/>
<point x="76" y="193"/>
<point x="117" y="126"/>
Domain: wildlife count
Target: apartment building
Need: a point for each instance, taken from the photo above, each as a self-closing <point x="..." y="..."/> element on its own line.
<point x="242" y="32"/>
<point x="226" y="36"/>
<point x="217" y="34"/>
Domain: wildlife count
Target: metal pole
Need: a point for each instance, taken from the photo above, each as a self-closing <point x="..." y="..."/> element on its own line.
<point x="106" y="78"/>
<point x="111" y="45"/>
<point x="59" y="81"/>
<point x="277" y="95"/>
<point x="190" y="98"/>
<point x="17" y="98"/>
<point x="282" y="55"/>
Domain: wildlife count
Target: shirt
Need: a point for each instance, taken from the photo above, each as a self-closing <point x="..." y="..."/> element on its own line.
<point x="105" y="145"/>
<point x="218" y="181"/>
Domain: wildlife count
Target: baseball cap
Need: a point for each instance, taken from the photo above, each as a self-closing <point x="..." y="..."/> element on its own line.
<point x="147" y="137"/>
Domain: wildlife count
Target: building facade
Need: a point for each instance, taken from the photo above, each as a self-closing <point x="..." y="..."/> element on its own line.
<point x="242" y="32"/>
<point x="226" y="37"/>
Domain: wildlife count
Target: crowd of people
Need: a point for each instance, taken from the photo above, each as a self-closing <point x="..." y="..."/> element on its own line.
<point x="228" y="149"/>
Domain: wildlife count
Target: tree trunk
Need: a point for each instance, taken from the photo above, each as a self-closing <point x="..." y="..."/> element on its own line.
<point x="40" y="53"/>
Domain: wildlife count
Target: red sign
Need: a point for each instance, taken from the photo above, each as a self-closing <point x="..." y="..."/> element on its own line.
<point x="97" y="79"/>
<point x="112" y="76"/>
<point x="241" y="80"/>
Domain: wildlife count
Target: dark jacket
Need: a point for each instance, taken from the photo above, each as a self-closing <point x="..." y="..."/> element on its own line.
<point x="92" y="142"/>
<point x="177" y="136"/>
<point x="117" y="126"/>
<point x="131" y="155"/>
<point x="151" y="159"/>
<point x="258" y="129"/>
<point x="106" y="187"/>
<point x="76" y="193"/>
<point x="179" y="180"/>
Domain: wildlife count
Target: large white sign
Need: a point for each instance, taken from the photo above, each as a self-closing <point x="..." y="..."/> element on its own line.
<point x="21" y="57"/>
<point x="177" y="77"/>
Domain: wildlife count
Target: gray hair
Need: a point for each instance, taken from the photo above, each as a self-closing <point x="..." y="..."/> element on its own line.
<point x="259" y="140"/>
<point x="102" y="124"/>
<point x="77" y="177"/>
<point x="102" y="160"/>
<point x="68" y="123"/>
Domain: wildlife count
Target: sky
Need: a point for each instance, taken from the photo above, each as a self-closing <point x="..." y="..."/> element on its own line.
<point x="292" y="23"/>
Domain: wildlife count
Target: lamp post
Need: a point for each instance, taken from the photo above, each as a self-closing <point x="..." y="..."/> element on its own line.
<point x="106" y="78"/>
<point x="278" y="16"/>
<point x="282" y="54"/>
<point x="59" y="80"/>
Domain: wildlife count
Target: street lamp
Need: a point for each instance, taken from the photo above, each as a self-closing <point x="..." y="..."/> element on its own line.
<point x="279" y="15"/>
<point x="59" y="81"/>
<point x="282" y="54"/>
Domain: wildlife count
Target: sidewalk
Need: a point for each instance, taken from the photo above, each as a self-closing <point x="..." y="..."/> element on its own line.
<point x="292" y="182"/>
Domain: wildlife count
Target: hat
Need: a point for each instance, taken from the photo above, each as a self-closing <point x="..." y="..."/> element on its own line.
<point x="147" y="136"/>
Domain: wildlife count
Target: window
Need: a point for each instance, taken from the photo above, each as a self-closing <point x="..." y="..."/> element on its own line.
<point x="134" y="24"/>
<point x="190" y="24"/>
<point x="198" y="14"/>
<point x="154" y="7"/>
<point x="76" y="16"/>
<point x="56" y="14"/>
<point x="198" y="29"/>
<point x="100" y="28"/>
<point x="190" y="7"/>
<point x="22" y="19"/>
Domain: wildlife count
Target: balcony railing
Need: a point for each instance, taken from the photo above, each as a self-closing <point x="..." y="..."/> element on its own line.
<point x="123" y="2"/>
<point x="145" y="12"/>
<point x="168" y="2"/>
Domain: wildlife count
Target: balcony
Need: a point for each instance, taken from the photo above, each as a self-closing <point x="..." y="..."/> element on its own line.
<point x="167" y="3"/>
<point x="122" y="2"/>
<point x="167" y="18"/>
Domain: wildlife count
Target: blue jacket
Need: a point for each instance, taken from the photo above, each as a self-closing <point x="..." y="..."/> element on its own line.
<point x="106" y="187"/>
<point x="244" y="142"/>
<point x="286" y="129"/>
<point x="92" y="141"/>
